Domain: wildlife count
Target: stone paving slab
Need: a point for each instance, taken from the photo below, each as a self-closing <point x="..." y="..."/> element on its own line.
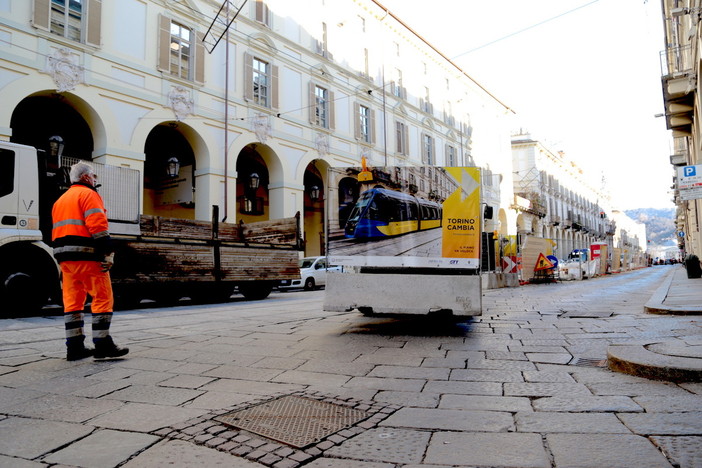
<point x="485" y="403"/>
<point x="584" y="403"/>
<point x="679" y="404"/>
<point x="664" y="423"/>
<point x="538" y="389"/>
<point x="412" y="399"/>
<point x="604" y="450"/>
<point x="385" y="445"/>
<point x="340" y="463"/>
<point x="160" y="395"/>
<point x="65" y="408"/>
<point x="447" y="419"/>
<point x="140" y="417"/>
<point x="103" y="448"/>
<point x="30" y="438"/>
<point x="181" y="454"/>
<point x="493" y="450"/>
<point x="684" y="451"/>
<point x="11" y="462"/>
<point x="583" y="423"/>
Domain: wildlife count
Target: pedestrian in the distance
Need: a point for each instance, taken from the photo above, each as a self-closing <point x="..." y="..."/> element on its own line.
<point x="83" y="248"/>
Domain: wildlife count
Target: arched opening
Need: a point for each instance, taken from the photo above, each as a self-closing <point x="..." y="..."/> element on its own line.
<point x="314" y="203"/>
<point x="252" y="182"/>
<point x="36" y="121"/>
<point x="38" y="118"/>
<point x="169" y="167"/>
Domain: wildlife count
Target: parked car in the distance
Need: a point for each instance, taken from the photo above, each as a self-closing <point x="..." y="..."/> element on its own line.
<point x="313" y="274"/>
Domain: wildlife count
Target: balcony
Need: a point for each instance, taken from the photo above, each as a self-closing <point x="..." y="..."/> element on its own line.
<point x="679" y="159"/>
<point x="679" y="82"/>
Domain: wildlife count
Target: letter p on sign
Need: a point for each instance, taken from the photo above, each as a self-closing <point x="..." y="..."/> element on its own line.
<point x="689" y="171"/>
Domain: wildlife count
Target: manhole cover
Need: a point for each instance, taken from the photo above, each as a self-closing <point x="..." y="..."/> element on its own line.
<point x="294" y="420"/>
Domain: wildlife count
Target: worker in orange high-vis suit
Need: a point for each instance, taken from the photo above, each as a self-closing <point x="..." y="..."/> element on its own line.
<point x="83" y="249"/>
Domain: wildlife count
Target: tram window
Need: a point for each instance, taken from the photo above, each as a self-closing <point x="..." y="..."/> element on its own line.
<point x="413" y="211"/>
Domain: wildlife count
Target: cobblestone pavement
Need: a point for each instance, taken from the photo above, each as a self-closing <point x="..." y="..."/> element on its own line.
<point x="524" y="385"/>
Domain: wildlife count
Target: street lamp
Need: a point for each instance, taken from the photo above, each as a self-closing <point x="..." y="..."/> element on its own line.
<point x="254" y="180"/>
<point x="250" y="201"/>
<point x="314" y="193"/>
<point x="56" y="146"/>
<point x="173" y="167"/>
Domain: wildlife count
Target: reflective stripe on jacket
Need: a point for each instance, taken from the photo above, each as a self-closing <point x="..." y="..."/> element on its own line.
<point x="80" y="229"/>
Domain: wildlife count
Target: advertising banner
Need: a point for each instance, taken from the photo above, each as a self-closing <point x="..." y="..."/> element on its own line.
<point x="405" y="217"/>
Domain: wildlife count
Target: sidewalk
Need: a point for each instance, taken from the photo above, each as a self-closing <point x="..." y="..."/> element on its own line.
<point x="675" y="360"/>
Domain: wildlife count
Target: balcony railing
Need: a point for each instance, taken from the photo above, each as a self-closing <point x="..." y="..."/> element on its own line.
<point x="676" y="60"/>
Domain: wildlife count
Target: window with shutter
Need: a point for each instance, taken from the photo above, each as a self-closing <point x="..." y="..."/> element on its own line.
<point x="181" y="51"/>
<point x="364" y="123"/>
<point x="76" y="20"/>
<point x="262" y="13"/>
<point x="428" y="156"/>
<point x="401" y="138"/>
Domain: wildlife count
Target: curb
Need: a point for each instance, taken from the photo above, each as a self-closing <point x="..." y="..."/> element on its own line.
<point x="639" y="361"/>
<point x="655" y="304"/>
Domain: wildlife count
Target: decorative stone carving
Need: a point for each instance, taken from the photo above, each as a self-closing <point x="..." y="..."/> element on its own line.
<point x="64" y="70"/>
<point x="321" y="142"/>
<point x="181" y="102"/>
<point x="261" y="126"/>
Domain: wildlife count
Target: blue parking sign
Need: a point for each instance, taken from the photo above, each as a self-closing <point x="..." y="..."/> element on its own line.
<point x="689" y="171"/>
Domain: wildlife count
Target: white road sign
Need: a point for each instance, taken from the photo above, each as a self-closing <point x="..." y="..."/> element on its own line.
<point x="690" y="182"/>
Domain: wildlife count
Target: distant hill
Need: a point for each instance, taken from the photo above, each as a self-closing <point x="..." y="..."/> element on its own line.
<point x="660" y="224"/>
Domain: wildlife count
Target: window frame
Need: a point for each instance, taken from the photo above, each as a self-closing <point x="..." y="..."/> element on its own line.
<point x="401" y="138"/>
<point x="261" y="92"/>
<point x="428" y="150"/>
<point x="196" y="65"/>
<point x="262" y="13"/>
<point x="364" y="123"/>
<point x="321" y="117"/>
<point x="90" y="23"/>
<point x="272" y="81"/>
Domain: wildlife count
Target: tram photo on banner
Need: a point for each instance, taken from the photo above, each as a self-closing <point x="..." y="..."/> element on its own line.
<point x="398" y="216"/>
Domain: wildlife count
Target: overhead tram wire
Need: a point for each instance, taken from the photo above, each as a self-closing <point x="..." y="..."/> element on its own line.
<point x="524" y="29"/>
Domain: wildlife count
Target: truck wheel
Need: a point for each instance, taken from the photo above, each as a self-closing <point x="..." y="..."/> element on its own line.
<point x="22" y="292"/>
<point x="309" y="284"/>
<point x="256" y="290"/>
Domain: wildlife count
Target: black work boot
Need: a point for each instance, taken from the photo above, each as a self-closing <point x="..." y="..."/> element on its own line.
<point x="106" y="348"/>
<point x="76" y="353"/>
<point x="76" y="350"/>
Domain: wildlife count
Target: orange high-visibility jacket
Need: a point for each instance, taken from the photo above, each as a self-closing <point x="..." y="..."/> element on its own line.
<point x="80" y="230"/>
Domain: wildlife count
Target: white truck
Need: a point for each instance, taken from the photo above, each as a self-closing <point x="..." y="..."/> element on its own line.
<point x="155" y="258"/>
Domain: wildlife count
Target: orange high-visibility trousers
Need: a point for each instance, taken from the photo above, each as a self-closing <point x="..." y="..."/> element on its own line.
<point x="81" y="278"/>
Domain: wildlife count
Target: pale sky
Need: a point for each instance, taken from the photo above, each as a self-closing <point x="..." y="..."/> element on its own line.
<point x="587" y="82"/>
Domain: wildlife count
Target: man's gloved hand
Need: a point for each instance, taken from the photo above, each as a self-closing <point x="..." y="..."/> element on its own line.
<point x="107" y="263"/>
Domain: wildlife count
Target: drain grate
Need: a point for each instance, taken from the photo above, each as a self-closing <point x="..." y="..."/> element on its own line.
<point x="294" y="420"/>
<point x="589" y="362"/>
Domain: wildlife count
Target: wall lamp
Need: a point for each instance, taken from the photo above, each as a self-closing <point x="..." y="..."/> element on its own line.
<point x="172" y="167"/>
<point x="56" y="146"/>
<point x="314" y="193"/>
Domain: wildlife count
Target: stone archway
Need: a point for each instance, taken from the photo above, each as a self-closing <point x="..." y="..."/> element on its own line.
<point x="42" y="116"/>
<point x="314" y="197"/>
<point x="169" y="173"/>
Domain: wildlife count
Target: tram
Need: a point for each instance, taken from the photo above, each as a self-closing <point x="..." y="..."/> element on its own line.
<point x="381" y="213"/>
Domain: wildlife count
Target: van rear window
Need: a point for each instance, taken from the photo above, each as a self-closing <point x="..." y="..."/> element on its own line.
<point x="7" y="172"/>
